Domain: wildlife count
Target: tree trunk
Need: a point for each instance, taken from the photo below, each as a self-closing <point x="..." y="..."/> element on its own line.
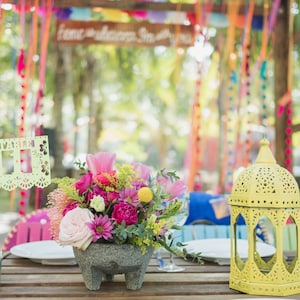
<point x="59" y="93"/>
<point x="92" y="129"/>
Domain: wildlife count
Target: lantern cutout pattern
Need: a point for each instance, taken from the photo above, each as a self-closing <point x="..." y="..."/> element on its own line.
<point x="265" y="190"/>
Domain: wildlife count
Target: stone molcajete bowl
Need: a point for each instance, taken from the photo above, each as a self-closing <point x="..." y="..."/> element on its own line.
<point x="102" y="261"/>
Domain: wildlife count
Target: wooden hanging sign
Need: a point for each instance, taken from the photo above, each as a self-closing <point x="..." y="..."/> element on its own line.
<point x="141" y="34"/>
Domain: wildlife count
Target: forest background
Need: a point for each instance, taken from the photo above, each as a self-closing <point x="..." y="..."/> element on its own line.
<point x="138" y="102"/>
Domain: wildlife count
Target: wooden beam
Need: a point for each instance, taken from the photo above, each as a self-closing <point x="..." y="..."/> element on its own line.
<point x="138" y="5"/>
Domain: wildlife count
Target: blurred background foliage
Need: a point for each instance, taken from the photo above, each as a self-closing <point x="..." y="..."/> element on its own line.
<point x="137" y="101"/>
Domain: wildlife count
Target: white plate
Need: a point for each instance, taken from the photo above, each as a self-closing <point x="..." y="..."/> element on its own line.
<point x="45" y="252"/>
<point x="218" y="250"/>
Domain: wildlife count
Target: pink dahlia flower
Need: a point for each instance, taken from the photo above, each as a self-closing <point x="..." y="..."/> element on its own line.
<point x="101" y="227"/>
<point x="130" y="195"/>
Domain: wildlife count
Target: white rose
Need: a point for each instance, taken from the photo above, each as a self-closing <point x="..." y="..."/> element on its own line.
<point x="73" y="229"/>
<point x="98" y="204"/>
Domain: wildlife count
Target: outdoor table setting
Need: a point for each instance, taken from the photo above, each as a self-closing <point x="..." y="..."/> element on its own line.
<point x="111" y="227"/>
<point x="22" y="278"/>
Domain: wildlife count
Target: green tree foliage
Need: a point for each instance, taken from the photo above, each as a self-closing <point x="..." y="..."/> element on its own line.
<point x="145" y="95"/>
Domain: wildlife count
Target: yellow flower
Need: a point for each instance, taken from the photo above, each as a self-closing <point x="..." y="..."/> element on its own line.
<point x="145" y="194"/>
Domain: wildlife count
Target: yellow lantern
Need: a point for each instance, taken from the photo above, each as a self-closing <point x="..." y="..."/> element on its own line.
<point x="264" y="190"/>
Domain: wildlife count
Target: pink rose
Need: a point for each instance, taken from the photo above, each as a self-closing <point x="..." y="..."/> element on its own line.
<point x="125" y="212"/>
<point x="73" y="228"/>
<point x="83" y="183"/>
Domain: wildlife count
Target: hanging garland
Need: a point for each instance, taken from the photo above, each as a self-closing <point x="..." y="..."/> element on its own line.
<point x="244" y="93"/>
<point x="263" y="69"/>
<point x="230" y="126"/>
<point x="195" y="150"/>
<point x="246" y="73"/>
<point x="26" y="68"/>
<point x="263" y="96"/>
<point x="195" y="179"/>
<point x="194" y="138"/>
<point x="23" y="194"/>
<point x="229" y="150"/>
<point x="2" y="15"/>
<point x="248" y="143"/>
<point x="289" y="108"/>
<point x="46" y="21"/>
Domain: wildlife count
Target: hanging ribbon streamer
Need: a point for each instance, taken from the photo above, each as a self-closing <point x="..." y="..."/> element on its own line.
<point x="245" y="91"/>
<point x="2" y="15"/>
<point x="232" y="15"/>
<point x="273" y="15"/>
<point x="266" y="34"/>
<point x="263" y="52"/>
<point x="228" y="160"/>
<point x="195" y="157"/>
<point x="194" y="149"/>
<point x="29" y="74"/>
<point x="42" y="72"/>
<point x="246" y="42"/>
<point x="283" y="102"/>
<point x="26" y="67"/>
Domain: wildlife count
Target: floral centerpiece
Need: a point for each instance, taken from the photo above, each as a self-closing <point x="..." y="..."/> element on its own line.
<point x="113" y="203"/>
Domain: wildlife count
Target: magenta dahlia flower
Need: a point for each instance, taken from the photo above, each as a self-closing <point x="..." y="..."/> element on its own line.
<point x="125" y="212"/>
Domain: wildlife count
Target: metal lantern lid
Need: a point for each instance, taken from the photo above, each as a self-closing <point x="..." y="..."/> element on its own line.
<point x="265" y="184"/>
